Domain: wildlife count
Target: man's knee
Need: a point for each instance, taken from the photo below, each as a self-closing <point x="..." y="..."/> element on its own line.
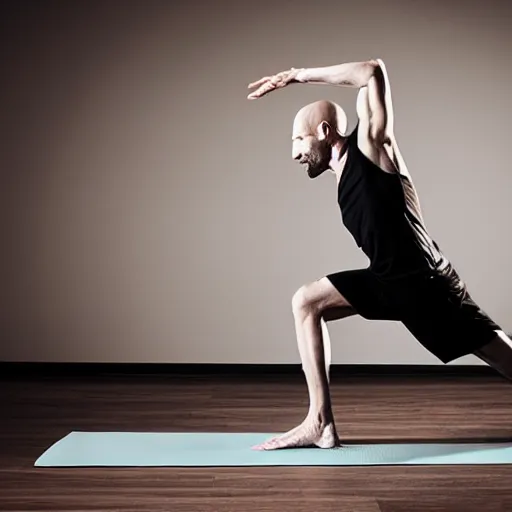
<point x="304" y="301"/>
<point x="320" y="298"/>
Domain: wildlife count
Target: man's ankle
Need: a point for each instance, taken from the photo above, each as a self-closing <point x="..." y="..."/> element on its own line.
<point x="321" y="418"/>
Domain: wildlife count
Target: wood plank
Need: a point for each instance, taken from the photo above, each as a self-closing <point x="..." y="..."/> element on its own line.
<point x="36" y="413"/>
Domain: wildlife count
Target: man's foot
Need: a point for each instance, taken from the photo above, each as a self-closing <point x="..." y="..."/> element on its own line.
<point x="307" y="434"/>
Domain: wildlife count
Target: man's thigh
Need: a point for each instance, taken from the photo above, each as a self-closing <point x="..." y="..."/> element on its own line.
<point x="323" y="297"/>
<point x="365" y="293"/>
<point x="347" y="293"/>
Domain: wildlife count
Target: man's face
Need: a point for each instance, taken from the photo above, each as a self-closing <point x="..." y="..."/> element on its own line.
<point x="313" y="153"/>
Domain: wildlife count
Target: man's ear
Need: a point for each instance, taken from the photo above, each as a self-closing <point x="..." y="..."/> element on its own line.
<point x="323" y="131"/>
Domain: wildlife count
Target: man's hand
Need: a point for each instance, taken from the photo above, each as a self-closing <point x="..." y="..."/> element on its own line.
<point x="270" y="83"/>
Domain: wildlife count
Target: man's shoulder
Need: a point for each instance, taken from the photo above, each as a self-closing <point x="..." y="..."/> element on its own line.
<point x="384" y="154"/>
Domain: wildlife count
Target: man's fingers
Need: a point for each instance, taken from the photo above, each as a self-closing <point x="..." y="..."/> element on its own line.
<point x="255" y="95"/>
<point x="264" y="89"/>
<point x="259" y="82"/>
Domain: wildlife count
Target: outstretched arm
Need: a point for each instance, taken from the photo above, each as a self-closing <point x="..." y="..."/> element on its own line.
<point x="350" y="74"/>
<point x="375" y="106"/>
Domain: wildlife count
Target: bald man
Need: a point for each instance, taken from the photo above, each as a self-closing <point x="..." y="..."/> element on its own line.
<point x="408" y="279"/>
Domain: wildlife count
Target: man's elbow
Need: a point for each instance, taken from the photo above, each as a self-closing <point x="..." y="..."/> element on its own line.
<point x="372" y="68"/>
<point x="376" y="68"/>
<point x="376" y="63"/>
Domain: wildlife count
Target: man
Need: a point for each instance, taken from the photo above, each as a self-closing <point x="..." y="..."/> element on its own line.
<point x="408" y="278"/>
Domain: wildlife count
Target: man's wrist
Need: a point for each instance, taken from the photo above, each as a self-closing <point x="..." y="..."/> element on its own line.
<point x="301" y="75"/>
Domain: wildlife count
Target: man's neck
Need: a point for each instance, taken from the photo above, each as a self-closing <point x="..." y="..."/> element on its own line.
<point x="339" y="158"/>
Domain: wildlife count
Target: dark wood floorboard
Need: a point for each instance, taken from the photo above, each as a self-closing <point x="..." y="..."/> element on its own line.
<point x="36" y="413"/>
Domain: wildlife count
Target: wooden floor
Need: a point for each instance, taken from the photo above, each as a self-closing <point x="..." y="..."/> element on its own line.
<point x="36" y="413"/>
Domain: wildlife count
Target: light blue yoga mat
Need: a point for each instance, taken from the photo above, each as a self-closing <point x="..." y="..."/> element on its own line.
<point x="219" y="449"/>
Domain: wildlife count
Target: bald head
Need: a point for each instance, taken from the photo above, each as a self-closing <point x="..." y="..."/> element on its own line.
<point x="317" y="127"/>
<point x="310" y="117"/>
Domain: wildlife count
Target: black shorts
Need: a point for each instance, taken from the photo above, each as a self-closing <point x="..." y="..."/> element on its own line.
<point x="434" y="306"/>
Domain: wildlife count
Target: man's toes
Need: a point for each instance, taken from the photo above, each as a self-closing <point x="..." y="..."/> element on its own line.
<point x="266" y="444"/>
<point x="271" y="444"/>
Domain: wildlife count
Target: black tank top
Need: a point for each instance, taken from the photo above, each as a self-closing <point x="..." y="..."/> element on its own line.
<point x="377" y="209"/>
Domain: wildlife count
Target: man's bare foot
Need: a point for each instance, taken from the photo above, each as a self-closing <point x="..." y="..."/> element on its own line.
<point x="307" y="434"/>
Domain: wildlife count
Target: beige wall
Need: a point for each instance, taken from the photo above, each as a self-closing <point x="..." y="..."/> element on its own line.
<point x="151" y="214"/>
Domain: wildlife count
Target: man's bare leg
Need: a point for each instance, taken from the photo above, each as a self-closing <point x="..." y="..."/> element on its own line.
<point x="498" y="354"/>
<point x="327" y="347"/>
<point x="312" y="305"/>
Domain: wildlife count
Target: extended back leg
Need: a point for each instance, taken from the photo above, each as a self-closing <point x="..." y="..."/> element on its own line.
<point x="498" y="354"/>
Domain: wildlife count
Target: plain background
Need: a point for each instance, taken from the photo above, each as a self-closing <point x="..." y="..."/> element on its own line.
<point x="150" y="213"/>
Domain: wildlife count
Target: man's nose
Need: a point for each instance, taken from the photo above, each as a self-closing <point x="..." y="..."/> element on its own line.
<point x="297" y="155"/>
